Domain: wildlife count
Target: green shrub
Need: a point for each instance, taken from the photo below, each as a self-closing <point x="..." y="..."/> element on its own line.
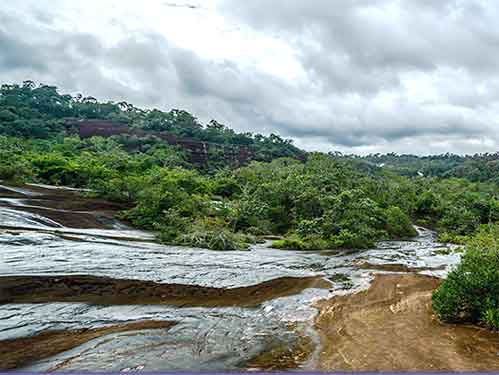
<point x="459" y="220"/>
<point x="208" y="232"/>
<point x="428" y="204"/>
<point x="362" y="239"/>
<point x="292" y="243"/>
<point x="490" y="318"/>
<point x="309" y="228"/>
<point x="453" y="238"/>
<point x="16" y="171"/>
<point x="471" y="291"/>
<point x="316" y="242"/>
<point x="226" y="187"/>
<point x="216" y="240"/>
<point x="424" y="222"/>
<point x="398" y="224"/>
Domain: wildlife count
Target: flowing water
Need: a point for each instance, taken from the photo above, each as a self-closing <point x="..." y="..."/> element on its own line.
<point x="33" y="242"/>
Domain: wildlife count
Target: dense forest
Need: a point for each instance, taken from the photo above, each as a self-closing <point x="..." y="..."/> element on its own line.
<point x="479" y="167"/>
<point x="311" y="200"/>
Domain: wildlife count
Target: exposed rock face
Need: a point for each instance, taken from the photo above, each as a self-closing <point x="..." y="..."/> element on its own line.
<point x="198" y="151"/>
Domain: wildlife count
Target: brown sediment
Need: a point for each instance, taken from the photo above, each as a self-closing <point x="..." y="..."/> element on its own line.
<point x="283" y="356"/>
<point x="397" y="267"/>
<point x="391" y="327"/>
<point x="10" y="194"/>
<point x="16" y="353"/>
<point x="108" y="291"/>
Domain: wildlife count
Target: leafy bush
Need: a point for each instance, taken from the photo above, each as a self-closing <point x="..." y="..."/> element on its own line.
<point x="453" y="238"/>
<point x="471" y="291"/>
<point x="226" y="186"/>
<point x="459" y="220"/>
<point x="398" y="224"/>
<point x="215" y="240"/>
<point x="344" y="240"/>
<point x="206" y="232"/>
<point x="490" y="318"/>
<point x="428" y="204"/>
<point x="312" y="242"/>
<point x="361" y="239"/>
<point x="309" y="227"/>
<point x="15" y="170"/>
<point x="289" y="244"/>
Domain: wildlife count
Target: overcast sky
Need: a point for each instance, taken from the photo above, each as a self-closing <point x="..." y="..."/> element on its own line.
<point x="357" y="76"/>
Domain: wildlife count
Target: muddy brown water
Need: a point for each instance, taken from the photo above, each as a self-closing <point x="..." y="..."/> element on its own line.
<point x="391" y="327"/>
<point x="234" y="310"/>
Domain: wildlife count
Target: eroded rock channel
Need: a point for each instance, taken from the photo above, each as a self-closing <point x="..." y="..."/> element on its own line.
<point x="89" y="293"/>
<point x="106" y="291"/>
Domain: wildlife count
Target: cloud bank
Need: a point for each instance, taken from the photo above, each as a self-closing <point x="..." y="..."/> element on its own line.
<point x="358" y="76"/>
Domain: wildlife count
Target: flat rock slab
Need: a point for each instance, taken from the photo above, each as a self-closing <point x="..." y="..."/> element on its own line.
<point x="20" y="352"/>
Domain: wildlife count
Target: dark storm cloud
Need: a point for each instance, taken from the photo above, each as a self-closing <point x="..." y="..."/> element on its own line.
<point x="365" y="48"/>
<point x="45" y="50"/>
<point x="363" y="45"/>
<point x="13" y="54"/>
<point x="371" y="127"/>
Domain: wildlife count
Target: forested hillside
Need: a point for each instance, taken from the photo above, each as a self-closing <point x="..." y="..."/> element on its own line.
<point x="478" y="167"/>
<point x="41" y="112"/>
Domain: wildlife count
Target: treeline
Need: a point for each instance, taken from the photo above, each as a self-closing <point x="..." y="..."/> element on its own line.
<point x="32" y="111"/>
<point x="478" y="167"/>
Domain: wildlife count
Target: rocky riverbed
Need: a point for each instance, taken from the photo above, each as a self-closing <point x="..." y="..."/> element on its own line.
<point x="87" y="292"/>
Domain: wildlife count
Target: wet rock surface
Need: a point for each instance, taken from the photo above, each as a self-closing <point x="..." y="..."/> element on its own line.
<point x="59" y="207"/>
<point x="398" y="267"/>
<point x="233" y="310"/>
<point x="16" y="353"/>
